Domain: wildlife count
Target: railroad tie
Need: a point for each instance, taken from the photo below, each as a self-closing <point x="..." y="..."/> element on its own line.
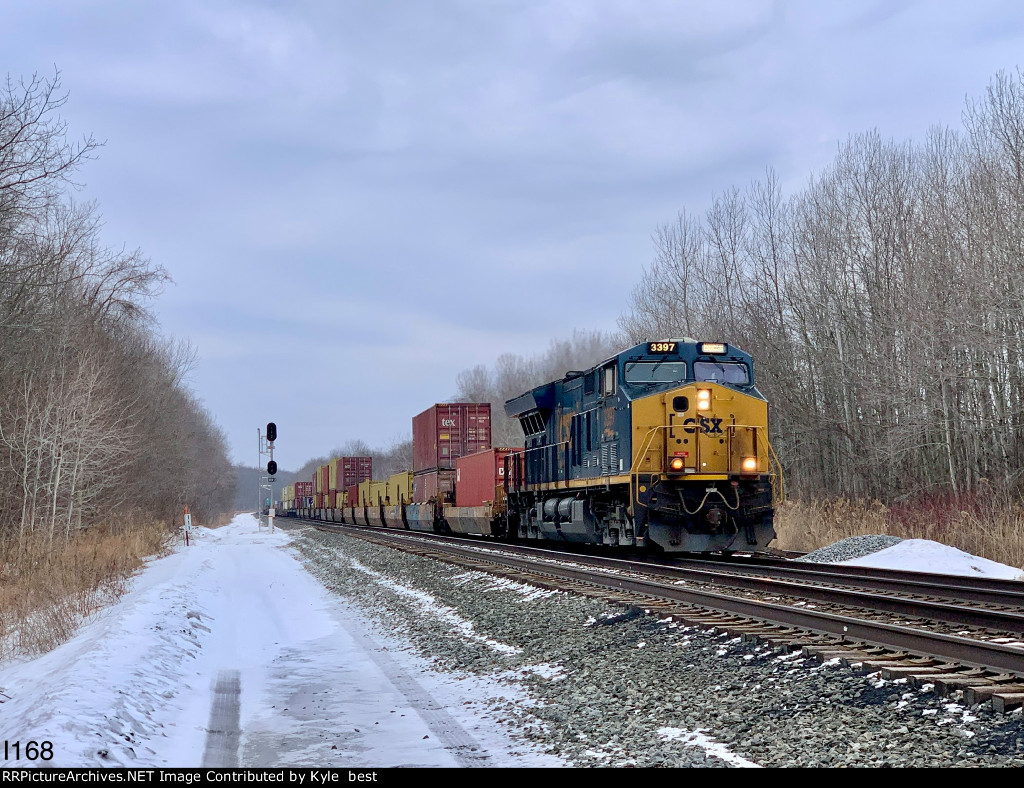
<point x="978" y="694"/>
<point x="1003" y="702"/>
<point x="862" y="661"/>
<point x="946" y="685"/>
<point x="827" y="651"/>
<point x="880" y="661"/>
<point x="892" y="672"/>
<point x="823" y="654"/>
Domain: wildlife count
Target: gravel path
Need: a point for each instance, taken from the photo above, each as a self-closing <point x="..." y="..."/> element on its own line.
<point x="610" y="686"/>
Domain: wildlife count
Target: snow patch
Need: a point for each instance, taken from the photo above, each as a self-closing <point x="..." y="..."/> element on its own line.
<point x="710" y="746"/>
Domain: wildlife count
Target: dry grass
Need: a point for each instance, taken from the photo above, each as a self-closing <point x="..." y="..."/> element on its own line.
<point x="985" y="524"/>
<point x="222" y="519"/>
<point x="47" y="591"/>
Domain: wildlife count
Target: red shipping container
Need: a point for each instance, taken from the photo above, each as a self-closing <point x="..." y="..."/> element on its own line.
<point x="303" y="489"/>
<point x="353" y="470"/>
<point x="318" y="500"/>
<point x="332" y="500"/>
<point x="438" y="485"/>
<point x="444" y="432"/>
<point x="353" y="495"/>
<point x="325" y="478"/>
<point x="477" y="476"/>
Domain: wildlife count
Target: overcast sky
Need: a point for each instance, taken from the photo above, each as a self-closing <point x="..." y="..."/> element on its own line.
<point x="357" y="200"/>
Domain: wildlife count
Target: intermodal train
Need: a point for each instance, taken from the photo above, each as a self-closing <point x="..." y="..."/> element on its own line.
<point x="664" y="445"/>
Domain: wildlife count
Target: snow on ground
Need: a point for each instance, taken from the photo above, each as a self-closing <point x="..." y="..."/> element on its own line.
<point x="318" y="686"/>
<point x="924" y="555"/>
<point x="710" y="746"/>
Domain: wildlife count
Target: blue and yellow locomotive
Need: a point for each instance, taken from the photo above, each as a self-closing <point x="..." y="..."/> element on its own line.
<point x="664" y="444"/>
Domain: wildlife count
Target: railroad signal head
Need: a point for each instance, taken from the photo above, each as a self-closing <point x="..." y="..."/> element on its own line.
<point x="271" y="432"/>
<point x="271" y="468"/>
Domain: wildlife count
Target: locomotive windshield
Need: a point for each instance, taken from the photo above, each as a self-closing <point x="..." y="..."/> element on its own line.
<point x="721" y="372"/>
<point x="655" y="372"/>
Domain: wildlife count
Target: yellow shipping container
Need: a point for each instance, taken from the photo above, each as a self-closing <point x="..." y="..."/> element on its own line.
<point x="378" y="493"/>
<point x="319" y="479"/>
<point x="364" y="493"/>
<point x="333" y="474"/>
<point x="400" y="488"/>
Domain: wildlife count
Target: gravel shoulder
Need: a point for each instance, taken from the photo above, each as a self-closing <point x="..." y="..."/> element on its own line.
<point x="601" y="685"/>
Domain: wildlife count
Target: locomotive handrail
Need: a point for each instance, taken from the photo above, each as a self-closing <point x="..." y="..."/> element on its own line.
<point x="778" y="473"/>
<point x="645" y="447"/>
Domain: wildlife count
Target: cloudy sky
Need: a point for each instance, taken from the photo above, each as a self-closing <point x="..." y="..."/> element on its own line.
<point x="357" y="200"/>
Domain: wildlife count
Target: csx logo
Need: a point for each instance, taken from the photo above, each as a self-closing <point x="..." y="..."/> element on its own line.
<point x="706" y="425"/>
<point x="447" y="422"/>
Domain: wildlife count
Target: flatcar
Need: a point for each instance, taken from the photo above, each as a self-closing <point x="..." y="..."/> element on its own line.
<point x="664" y="444"/>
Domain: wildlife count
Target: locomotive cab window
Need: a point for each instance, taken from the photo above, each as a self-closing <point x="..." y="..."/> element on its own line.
<point x="608" y="381"/>
<point x="655" y="372"/>
<point x="722" y="372"/>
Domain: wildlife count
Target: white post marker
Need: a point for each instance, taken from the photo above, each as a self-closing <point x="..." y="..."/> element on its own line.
<point x="270" y="518"/>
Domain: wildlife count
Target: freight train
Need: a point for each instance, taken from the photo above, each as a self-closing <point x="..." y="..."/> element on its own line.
<point x="664" y="445"/>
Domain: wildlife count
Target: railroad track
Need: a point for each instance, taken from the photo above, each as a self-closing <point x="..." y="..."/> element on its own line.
<point x="966" y="637"/>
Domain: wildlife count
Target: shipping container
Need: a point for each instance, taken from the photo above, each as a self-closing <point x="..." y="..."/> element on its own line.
<point x="325" y="478"/>
<point x="446" y="431"/>
<point x="375" y="502"/>
<point x="400" y="488"/>
<point x="352" y="495"/>
<point x="353" y="470"/>
<point x="478" y="475"/>
<point x="332" y="499"/>
<point x="434" y="486"/>
<point x="332" y="475"/>
<point x="303" y="489"/>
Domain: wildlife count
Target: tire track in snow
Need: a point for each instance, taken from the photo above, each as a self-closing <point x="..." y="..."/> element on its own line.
<point x="463" y="747"/>
<point x="223" y="731"/>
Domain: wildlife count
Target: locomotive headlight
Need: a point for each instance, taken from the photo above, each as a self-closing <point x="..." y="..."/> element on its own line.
<point x="750" y="464"/>
<point x="676" y="463"/>
<point x="703" y="399"/>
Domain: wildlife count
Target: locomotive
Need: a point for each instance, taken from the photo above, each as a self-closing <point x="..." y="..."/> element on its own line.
<point x="664" y="445"/>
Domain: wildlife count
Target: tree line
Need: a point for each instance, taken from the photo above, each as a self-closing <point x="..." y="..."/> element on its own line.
<point x="883" y="304"/>
<point x="96" y="421"/>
